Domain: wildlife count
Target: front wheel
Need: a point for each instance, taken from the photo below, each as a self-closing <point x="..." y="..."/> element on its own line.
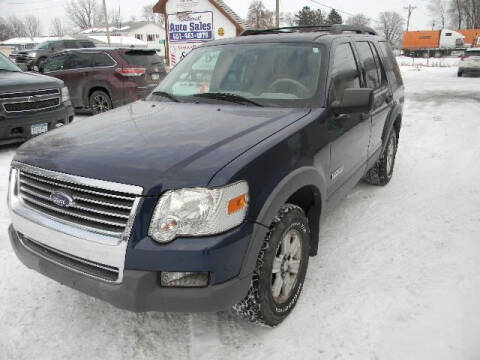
<point x="382" y="172"/>
<point x="280" y="272"/>
<point x="460" y="73"/>
<point x="100" y="102"/>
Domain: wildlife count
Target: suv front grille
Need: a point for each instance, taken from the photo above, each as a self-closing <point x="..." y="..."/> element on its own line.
<point x="30" y="100"/>
<point x="96" y="209"/>
<point x="29" y="106"/>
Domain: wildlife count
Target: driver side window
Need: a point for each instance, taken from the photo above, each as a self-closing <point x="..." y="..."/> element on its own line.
<point x="345" y="74"/>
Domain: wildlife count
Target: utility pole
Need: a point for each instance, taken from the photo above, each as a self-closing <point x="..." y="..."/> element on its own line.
<point x="278" y="13"/>
<point x="410" y="9"/>
<point x="106" y="21"/>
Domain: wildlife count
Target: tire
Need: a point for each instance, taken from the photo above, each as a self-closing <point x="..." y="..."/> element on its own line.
<point x="41" y="64"/>
<point x="99" y="102"/>
<point x="382" y="172"/>
<point x="270" y="298"/>
<point x="460" y="74"/>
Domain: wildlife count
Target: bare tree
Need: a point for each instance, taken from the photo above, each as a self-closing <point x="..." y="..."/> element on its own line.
<point x="5" y="30"/>
<point x="259" y="17"/>
<point x="391" y="24"/>
<point x="32" y="26"/>
<point x="456" y="13"/>
<point x="17" y="26"/>
<point x="149" y="15"/>
<point x="359" y="19"/>
<point x="114" y="18"/>
<point x="438" y="11"/>
<point x="84" y="13"/>
<point x="287" y="19"/>
<point x="56" y="27"/>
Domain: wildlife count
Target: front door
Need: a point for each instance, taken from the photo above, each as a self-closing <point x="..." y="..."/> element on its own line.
<point x="351" y="131"/>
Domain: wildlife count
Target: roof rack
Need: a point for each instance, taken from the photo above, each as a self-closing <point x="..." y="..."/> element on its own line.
<point x="333" y="29"/>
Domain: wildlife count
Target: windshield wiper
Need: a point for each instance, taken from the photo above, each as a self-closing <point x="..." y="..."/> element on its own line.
<point x="234" y="98"/>
<point x="167" y="95"/>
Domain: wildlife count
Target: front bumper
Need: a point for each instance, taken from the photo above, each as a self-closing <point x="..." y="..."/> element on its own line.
<point x="16" y="127"/>
<point x="140" y="290"/>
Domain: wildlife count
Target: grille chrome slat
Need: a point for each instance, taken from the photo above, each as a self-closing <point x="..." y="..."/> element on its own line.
<point x="102" y="210"/>
<point x="76" y="188"/>
<point x="28" y="198"/>
<point x="83" y="197"/>
<point x="78" y="206"/>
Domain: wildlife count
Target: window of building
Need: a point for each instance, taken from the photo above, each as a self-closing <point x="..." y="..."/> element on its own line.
<point x="150" y="37"/>
<point x="139" y="36"/>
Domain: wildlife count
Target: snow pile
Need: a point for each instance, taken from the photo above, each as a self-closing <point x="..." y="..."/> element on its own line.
<point x="428" y="62"/>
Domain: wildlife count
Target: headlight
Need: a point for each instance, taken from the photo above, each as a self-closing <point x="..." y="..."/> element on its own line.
<point x="32" y="54"/>
<point x="65" y="94"/>
<point x="199" y="211"/>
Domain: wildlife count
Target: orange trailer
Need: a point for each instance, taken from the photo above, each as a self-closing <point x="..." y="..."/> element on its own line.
<point x="421" y="40"/>
<point x="472" y="37"/>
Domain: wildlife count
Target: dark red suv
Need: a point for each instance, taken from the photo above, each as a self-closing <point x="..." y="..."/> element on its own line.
<point x="101" y="79"/>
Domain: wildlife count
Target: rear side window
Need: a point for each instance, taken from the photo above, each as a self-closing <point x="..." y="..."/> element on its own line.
<point x="77" y="61"/>
<point x="373" y="74"/>
<point x="87" y="44"/>
<point x="102" y="59"/>
<point x="345" y="73"/>
<point x="390" y="63"/>
<point x="143" y="58"/>
<point x="68" y="44"/>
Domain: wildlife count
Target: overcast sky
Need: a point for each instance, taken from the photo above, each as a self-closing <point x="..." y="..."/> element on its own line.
<point x="48" y="9"/>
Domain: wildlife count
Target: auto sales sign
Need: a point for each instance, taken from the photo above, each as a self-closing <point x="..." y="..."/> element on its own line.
<point x="190" y="27"/>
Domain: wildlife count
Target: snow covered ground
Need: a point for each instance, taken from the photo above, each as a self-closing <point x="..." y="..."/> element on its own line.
<point x="397" y="275"/>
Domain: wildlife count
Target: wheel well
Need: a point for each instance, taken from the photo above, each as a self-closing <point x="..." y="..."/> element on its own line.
<point x="99" y="88"/>
<point x="308" y="198"/>
<point x="397" y="125"/>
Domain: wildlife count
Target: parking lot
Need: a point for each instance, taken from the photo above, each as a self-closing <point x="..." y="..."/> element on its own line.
<point x="397" y="275"/>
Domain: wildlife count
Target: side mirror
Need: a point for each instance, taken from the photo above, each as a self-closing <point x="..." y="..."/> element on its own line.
<point x="354" y="100"/>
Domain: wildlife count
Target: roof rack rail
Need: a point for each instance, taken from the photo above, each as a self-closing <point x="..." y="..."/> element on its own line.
<point x="333" y="29"/>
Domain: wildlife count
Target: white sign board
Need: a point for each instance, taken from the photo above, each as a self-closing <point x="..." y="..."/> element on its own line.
<point x="190" y="27"/>
<point x="179" y="51"/>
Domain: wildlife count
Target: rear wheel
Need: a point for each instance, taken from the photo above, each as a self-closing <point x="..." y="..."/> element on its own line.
<point x="382" y="172"/>
<point x="460" y="73"/>
<point x="100" y="102"/>
<point x="280" y="272"/>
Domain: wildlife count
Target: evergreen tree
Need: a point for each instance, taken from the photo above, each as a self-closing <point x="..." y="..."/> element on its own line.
<point x="309" y="17"/>
<point x="334" y="17"/>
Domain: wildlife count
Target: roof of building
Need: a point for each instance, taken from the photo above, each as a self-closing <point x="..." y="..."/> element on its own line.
<point x="219" y="4"/>
<point x="126" y="27"/>
<point x="34" y="40"/>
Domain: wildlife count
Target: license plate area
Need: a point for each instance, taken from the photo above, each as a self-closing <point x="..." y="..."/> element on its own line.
<point x="155" y="76"/>
<point x="38" y="129"/>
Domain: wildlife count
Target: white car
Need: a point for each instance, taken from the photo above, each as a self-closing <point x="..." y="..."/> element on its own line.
<point x="470" y="62"/>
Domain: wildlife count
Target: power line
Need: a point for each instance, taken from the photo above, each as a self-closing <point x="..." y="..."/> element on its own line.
<point x="330" y="7"/>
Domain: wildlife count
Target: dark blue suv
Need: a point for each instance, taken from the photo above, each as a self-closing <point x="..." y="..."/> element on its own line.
<point x="210" y="194"/>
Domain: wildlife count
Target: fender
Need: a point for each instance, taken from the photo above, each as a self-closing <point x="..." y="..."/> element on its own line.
<point x="301" y="177"/>
<point x="394" y="114"/>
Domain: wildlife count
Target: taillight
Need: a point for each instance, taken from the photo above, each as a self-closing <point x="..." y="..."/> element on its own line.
<point x="131" y="71"/>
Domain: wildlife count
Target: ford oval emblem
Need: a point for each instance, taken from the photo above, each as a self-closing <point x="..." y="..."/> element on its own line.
<point x="62" y="199"/>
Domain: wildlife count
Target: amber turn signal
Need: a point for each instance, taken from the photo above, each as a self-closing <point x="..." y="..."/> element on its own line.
<point x="237" y="204"/>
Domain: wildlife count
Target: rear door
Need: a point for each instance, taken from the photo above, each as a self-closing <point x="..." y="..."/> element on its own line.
<point x="374" y="77"/>
<point x="351" y="131"/>
<point x="73" y="68"/>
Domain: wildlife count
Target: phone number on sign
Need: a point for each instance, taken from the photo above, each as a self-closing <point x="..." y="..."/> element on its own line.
<point x="194" y="35"/>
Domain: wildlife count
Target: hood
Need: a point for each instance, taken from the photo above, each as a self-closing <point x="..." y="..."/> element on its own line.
<point x="23" y="81"/>
<point x="156" y="145"/>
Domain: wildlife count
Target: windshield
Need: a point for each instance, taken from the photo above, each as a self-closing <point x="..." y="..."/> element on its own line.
<point x="267" y="74"/>
<point x="472" y="53"/>
<point x="7" y="65"/>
